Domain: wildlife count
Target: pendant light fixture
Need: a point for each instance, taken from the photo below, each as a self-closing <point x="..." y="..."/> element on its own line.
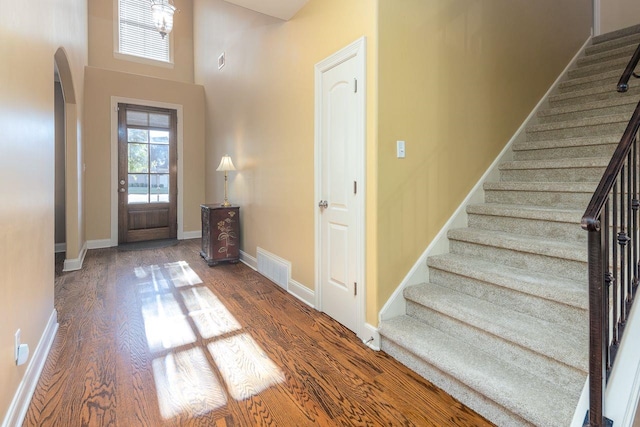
<point x="162" y="13"/>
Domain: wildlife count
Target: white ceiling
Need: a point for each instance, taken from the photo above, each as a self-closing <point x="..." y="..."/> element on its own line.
<point x="283" y="9"/>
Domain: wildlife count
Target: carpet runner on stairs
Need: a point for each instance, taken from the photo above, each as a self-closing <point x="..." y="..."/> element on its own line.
<point x="502" y="323"/>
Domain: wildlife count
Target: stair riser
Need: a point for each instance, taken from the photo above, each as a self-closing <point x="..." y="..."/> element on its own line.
<point x="453" y="386"/>
<point x="619" y="52"/>
<point x="545" y="309"/>
<point x="539" y="198"/>
<point x="574" y="270"/>
<point x="575" y="98"/>
<point x="540" y="365"/>
<point x="590" y="70"/>
<point x="605" y="150"/>
<point x="591" y="174"/>
<point x="626" y="108"/>
<point x="575" y="85"/>
<point x="530" y="227"/>
<point x="616" y="128"/>
<point x="596" y="48"/>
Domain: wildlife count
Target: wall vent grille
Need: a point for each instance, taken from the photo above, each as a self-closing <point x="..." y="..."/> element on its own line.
<point x="274" y="268"/>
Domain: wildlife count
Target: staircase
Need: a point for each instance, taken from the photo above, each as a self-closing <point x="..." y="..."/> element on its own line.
<point x="502" y="324"/>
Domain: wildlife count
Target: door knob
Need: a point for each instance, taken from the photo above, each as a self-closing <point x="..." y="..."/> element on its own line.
<point x="323" y="204"/>
<point x="122" y="182"/>
<point x="122" y="190"/>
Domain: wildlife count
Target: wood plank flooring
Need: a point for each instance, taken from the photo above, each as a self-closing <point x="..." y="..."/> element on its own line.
<point x="157" y="338"/>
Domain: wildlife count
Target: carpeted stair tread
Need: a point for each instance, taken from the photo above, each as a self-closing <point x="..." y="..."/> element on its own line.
<point x="608" y="78"/>
<point x="617" y="35"/>
<point x="538" y="284"/>
<point x="573" y="251"/>
<point x="592" y="94"/>
<point x="601" y="107"/>
<point x="599" y="68"/>
<point x="527" y="212"/>
<point x="543" y="186"/>
<point x="625" y="51"/>
<point x="516" y="390"/>
<point x="552" y="194"/>
<point x="581" y="141"/>
<point x="581" y="123"/>
<point x="546" y="338"/>
<point x="584" y="162"/>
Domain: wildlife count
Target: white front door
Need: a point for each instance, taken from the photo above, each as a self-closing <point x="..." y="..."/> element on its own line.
<point x="340" y="151"/>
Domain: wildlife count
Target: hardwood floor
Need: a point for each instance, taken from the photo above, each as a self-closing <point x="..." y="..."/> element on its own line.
<point x="157" y="338"/>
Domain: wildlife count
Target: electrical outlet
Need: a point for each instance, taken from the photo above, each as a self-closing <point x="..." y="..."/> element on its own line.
<point x="16" y="345"/>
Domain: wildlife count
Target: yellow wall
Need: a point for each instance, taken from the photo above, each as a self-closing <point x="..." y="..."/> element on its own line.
<point x="617" y="14"/>
<point x="100" y="86"/>
<point x="103" y="17"/>
<point x="109" y="76"/>
<point x="30" y="34"/>
<point x="260" y="110"/>
<point x="457" y="78"/>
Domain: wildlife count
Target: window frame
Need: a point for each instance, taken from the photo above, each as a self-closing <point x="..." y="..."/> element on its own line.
<point x="135" y="58"/>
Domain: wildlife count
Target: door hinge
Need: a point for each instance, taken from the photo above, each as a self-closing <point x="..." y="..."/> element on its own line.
<point x="355" y="85"/>
<point x="355" y="187"/>
<point x="355" y="289"/>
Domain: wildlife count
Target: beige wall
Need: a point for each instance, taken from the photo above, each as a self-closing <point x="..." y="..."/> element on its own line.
<point x="103" y="13"/>
<point x="617" y="14"/>
<point x="100" y="86"/>
<point x="31" y="32"/>
<point x="456" y="80"/>
<point x="260" y="110"/>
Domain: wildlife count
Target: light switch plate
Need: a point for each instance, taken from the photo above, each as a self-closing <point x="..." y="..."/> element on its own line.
<point x="400" y="149"/>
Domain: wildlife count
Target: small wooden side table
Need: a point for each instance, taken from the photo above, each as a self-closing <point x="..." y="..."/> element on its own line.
<point x="220" y="234"/>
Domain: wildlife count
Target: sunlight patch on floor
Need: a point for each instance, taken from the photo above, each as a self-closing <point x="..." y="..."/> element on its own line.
<point x="209" y="314"/>
<point x="165" y="324"/>
<point x="177" y="315"/>
<point x="186" y="384"/>
<point x="245" y="367"/>
<point x="182" y="274"/>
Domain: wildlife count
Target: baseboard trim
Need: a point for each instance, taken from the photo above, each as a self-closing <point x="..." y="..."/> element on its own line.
<point x="249" y="260"/>
<point x="21" y="400"/>
<point x="419" y="273"/>
<point x="100" y="244"/>
<point x="60" y="247"/>
<point x="301" y="292"/>
<point x="186" y="235"/>
<point x="75" y="263"/>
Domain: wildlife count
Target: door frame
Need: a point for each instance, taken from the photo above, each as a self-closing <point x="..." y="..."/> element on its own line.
<point x="115" y="100"/>
<point x="356" y="50"/>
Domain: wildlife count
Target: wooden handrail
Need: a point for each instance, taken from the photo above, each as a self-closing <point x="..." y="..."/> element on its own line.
<point x="623" y="83"/>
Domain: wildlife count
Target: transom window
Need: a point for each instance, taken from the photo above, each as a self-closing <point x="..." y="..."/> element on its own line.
<point x="138" y="35"/>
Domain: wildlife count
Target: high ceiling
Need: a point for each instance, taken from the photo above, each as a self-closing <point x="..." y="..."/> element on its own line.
<point x="283" y="9"/>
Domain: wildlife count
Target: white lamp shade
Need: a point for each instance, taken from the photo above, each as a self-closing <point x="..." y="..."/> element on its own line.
<point x="225" y="164"/>
<point x="162" y="12"/>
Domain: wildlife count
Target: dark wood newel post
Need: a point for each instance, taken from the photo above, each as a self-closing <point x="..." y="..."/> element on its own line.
<point x="597" y="336"/>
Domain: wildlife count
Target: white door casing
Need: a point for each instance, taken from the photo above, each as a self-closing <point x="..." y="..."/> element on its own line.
<point x="340" y="159"/>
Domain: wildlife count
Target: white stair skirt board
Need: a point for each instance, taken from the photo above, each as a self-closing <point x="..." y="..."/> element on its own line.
<point x="21" y="400"/>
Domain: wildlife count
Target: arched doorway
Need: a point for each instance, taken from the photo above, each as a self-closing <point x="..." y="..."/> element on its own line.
<point x="73" y="166"/>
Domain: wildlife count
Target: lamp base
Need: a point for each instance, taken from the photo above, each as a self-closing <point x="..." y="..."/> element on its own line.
<point x="226" y="204"/>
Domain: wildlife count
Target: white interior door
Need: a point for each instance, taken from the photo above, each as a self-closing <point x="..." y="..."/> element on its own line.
<point x="340" y="142"/>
